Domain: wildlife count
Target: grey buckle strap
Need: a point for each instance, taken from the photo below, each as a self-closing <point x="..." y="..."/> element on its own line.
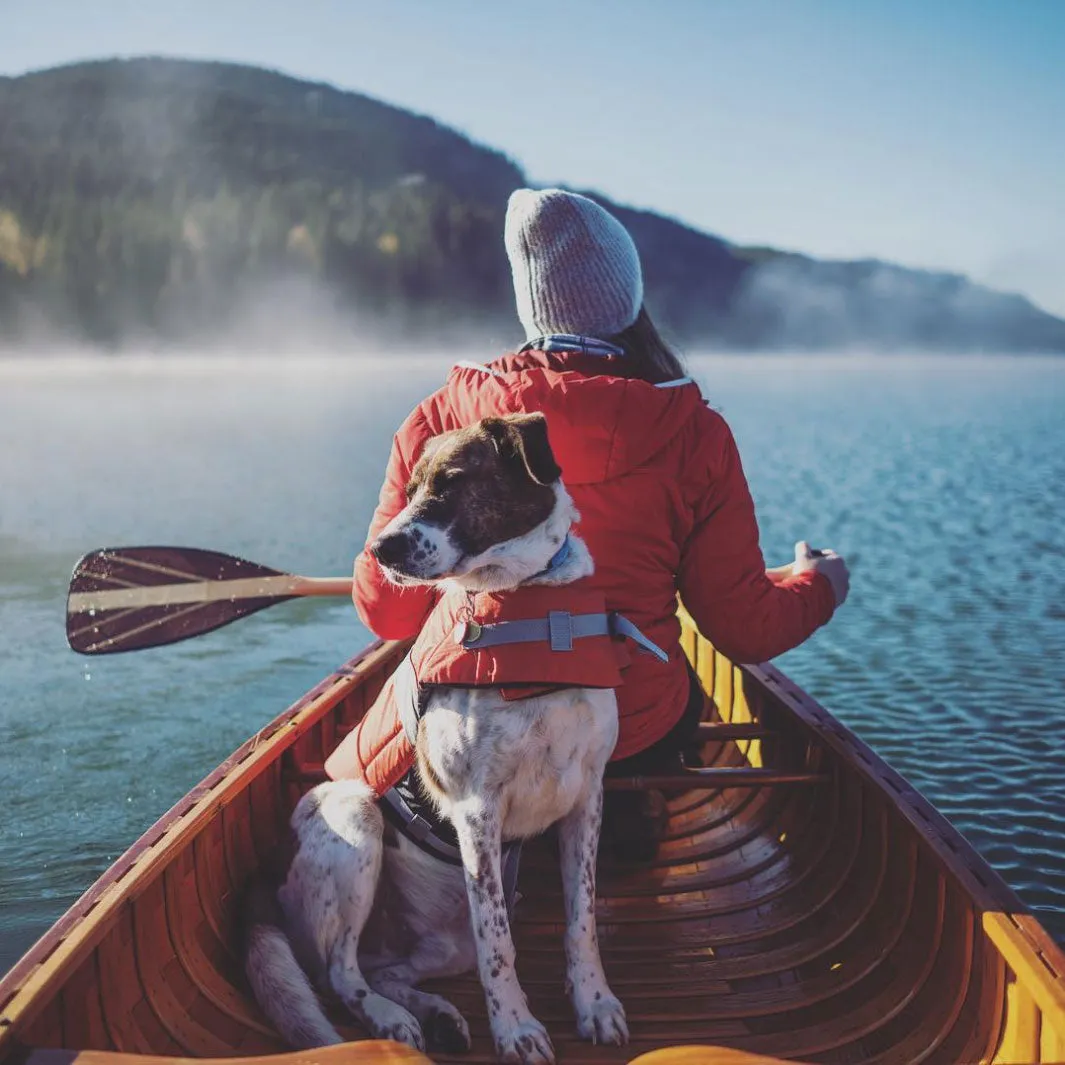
<point x="624" y="627"/>
<point x="559" y="629"/>
<point x="419" y="830"/>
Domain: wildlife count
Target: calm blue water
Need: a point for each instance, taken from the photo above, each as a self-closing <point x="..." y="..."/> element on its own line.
<point x="941" y="480"/>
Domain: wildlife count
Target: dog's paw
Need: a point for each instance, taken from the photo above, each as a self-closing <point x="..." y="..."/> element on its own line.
<point x="602" y="1020"/>
<point x="526" y="1043"/>
<point x="447" y="1032"/>
<point x="388" y="1020"/>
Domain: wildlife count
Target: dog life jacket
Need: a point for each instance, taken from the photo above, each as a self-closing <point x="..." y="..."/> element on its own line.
<point x="527" y="641"/>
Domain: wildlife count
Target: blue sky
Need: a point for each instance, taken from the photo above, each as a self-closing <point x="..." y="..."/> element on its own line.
<point x="929" y="132"/>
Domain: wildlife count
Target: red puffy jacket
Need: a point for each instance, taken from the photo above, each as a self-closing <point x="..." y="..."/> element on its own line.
<point x="664" y="509"/>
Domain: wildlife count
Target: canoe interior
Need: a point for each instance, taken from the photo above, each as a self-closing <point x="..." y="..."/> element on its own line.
<point x="844" y="921"/>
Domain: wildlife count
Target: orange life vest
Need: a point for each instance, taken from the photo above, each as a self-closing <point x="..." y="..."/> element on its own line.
<point x="528" y="641"/>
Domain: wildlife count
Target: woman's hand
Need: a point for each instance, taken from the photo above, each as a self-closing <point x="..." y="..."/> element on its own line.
<point x="809" y="558"/>
<point x="826" y="562"/>
<point x="781" y="573"/>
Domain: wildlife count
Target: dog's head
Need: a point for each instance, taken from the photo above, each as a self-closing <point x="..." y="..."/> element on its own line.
<point x="485" y="496"/>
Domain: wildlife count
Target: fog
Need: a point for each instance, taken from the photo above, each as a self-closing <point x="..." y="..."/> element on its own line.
<point x="798" y="302"/>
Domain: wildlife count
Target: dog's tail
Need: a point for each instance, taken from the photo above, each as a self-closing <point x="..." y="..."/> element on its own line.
<point x="281" y="987"/>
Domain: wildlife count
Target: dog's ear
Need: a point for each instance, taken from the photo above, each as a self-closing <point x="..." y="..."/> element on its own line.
<point x="421" y="465"/>
<point x="525" y="437"/>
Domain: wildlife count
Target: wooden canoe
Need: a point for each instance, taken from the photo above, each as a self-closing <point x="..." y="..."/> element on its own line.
<point x="808" y="905"/>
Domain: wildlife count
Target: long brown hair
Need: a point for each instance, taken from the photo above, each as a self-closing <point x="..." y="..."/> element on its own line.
<point x="648" y="355"/>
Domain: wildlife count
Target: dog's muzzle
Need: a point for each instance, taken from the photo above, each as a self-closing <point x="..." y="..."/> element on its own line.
<point x="392" y="550"/>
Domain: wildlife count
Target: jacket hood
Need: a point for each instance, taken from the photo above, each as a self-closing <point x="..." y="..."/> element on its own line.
<point x="601" y="425"/>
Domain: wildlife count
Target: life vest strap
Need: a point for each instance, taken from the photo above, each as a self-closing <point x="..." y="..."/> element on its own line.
<point x="417" y="829"/>
<point x="424" y="835"/>
<point x="559" y="629"/>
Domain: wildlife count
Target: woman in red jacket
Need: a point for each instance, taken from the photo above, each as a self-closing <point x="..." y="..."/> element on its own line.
<point x="655" y="474"/>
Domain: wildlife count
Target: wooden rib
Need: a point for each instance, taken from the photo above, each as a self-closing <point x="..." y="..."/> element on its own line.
<point x="47" y="1028"/>
<point x="187" y="926"/>
<point x="170" y="999"/>
<point x="239" y="847"/>
<point x="979" y="1025"/>
<point x="214" y="888"/>
<point x="130" y="1021"/>
<point x="82" y="1008"/>
<point x="267" y="815"/>
<point x="327" y="739"/>
<point x="913" y="1033"/>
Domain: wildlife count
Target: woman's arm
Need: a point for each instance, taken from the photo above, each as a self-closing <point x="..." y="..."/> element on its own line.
<point x="749" y="614"/>
<point x="386" y="609"/>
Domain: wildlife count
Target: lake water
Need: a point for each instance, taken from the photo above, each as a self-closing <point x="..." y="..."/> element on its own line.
<point x="941" y="480"/>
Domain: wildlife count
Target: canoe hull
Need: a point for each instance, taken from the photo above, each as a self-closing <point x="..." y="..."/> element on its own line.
<point x="837" y="921"/>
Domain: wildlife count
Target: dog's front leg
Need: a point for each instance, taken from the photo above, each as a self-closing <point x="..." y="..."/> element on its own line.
<point x="518" y="1035"/>
<point x="600" y="1016"/>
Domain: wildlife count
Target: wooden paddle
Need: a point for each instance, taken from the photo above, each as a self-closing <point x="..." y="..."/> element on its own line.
<point x="129" y="598"/>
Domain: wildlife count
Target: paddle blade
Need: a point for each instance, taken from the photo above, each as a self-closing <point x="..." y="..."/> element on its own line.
<point x="129" y="598"/>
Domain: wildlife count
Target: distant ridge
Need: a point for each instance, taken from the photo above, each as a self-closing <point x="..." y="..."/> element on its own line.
<point x="168" y="202"/>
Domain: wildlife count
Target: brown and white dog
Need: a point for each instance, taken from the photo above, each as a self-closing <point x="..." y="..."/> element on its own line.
<point x="370" y="921"/>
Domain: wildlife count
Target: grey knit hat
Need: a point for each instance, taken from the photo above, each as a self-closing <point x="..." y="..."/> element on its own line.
<point x="576" y="269"/>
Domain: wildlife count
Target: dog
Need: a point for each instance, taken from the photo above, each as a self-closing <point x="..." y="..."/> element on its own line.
<point x="360" y="909"/>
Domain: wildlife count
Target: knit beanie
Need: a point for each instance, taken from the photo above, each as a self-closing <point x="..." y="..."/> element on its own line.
<point x="576" y="269"/>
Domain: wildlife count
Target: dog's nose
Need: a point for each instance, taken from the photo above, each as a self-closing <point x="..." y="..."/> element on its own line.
<point x="392" y="549"/>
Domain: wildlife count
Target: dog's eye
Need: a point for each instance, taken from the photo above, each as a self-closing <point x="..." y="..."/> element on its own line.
<point x="452" y="476"/>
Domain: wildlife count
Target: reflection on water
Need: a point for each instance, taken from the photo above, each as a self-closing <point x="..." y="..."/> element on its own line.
<point x="940" y="479"/>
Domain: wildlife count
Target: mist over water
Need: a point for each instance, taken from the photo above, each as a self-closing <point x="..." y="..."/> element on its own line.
<point x="938" y="478"/>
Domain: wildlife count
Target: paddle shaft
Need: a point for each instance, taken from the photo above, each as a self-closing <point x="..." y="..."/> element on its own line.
<point x="284" y="585"/>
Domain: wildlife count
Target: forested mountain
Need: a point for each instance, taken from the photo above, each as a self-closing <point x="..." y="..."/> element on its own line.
<point x="173" y="203"/>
